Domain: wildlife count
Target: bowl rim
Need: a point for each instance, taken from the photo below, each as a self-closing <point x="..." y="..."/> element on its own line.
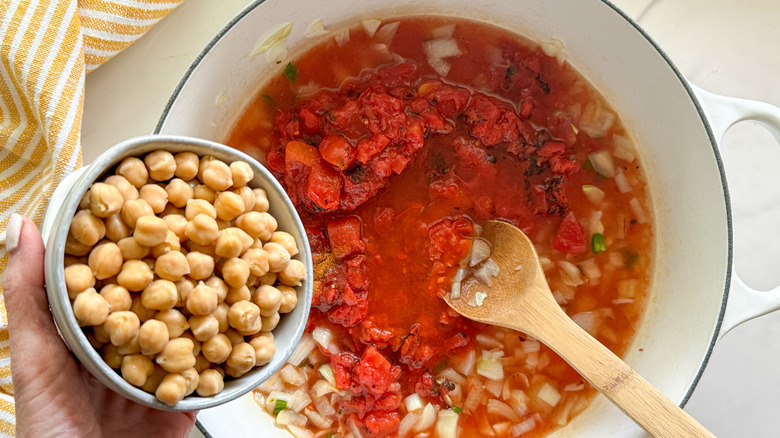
<point x="61" y="307"/>
<point x="672" y="66"/>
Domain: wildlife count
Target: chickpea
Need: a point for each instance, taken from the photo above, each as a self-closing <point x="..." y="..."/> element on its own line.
<point x="248" y="196"/>
<point x="235" y="272"/>
<point x="293" y="274"/>
<point x="69" y="260"/>
<point x="268" y="278"/>
<point x="160" y="295"/>
<point x="131" y="249"/>
<point x="104" y="200"/>
<point x="203" y="249"/>
<point x="172" y="389"/>
<point x="242" y="173"/>
<point x="116" y="228"/>
<point x="222" y="316"/>
<point x="229" y="205"/>
<point x="171" y="243"/>
<point x="84" y="202"/>
<point x="135" y="275"/>
<point x="203" y="164"/>
<point x="122" y="327"/>
<point x="219" y="286"/>
<point x="257" y="259"/>
<point x="78" y="278"/>
<point x="204" y="192"/>
<point x="278" y="257"/>
<point x="177" y="224"/>
<point x="201" y="265"/>
<point x="161" y="165"/>
<point x="184" y="287"/>
<point x="127" y="190"/>
<point x="130" y="347"/>
<point x="211" y="382"/>
<point x="261" y="200"/>
<point x="153" y="382"/>
<point x="137" y="307"/>
<point x="87" y="228"/>
<point x="201" y="363"/>
<point x="111" y="356"/>
<point x="242" y="358"/>
<point x="192" y="377"/>
<point x="177" y="355"/>
<point x="217" y="175"/>
<point x="264" y="349"/>
<point x="289" y="299"/>
<point x="270" y="323"/>
<point x="150" y="230"/>
<point x="232" y="242"/>
<point x="199" y="206"/>
<point x="217" y="349"/>
<point x="105" y="260"/>
<point x="135" y="209"/>
<point x="258" y="225"/>
<point x="136" y="368"/>
<point x="101" y="334"/>
<point x="117" y="297"/>
<point x="204" y="327"/>
<point x="186" y="165"/>
<point x="179" y="192"/>
<point x="175" y="321"/>
<point x="202" y="230"/>
<point x="286" y="240"/>
<point x="202" y="300"/>
<point x="153" y="336"/>
<point x="268" y="299"/>
<point x="155" y="196"/>
<point x="75" y="248"/>
<point x="244" y="316"/>
<point x="134" y="170"/>
<point x="195" y="342"/>
<point x="172" y="266"/>
<point x="171" y="209"/>
<point x="97" y="345"/>
<point x="90" y="308"/>
<point x="236" y="294"/>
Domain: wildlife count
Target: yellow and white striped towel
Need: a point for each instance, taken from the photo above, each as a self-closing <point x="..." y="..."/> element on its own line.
<point x="46" y="48"/>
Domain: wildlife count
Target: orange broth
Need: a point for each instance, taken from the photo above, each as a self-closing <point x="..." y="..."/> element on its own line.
<point x="405" y="339"/>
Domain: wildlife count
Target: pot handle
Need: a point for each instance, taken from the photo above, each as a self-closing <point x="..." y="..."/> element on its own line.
<point x="744" y="302"/>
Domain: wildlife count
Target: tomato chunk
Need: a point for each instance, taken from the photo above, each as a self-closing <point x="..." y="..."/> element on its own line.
<point x="374" y="372"/>
<point x="344" y="235"/>
<point x="337" y="151"/>
<point x="304" y="167"/>
<point x="570" y="237"/>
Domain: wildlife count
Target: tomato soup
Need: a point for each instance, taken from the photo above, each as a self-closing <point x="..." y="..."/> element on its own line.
<point x="395" y="140"/>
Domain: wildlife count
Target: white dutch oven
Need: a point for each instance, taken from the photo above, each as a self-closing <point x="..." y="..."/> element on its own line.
<point x="675" y="125"/>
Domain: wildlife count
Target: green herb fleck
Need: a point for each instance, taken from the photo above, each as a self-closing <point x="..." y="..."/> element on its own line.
<point x="290" y="72"/>
<point x="632" y="259"/>
<point x="441" y="366"/>
<point x="457" y="409"/>
<point x="304" y="364"/>
<point x="279" y="406"/>
<point x="597" y="244"/>
<point x="268" y="99"/>
<point x="587" y="165"/>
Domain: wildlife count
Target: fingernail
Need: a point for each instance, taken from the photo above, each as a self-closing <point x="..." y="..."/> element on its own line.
<point x="13" y="232"/>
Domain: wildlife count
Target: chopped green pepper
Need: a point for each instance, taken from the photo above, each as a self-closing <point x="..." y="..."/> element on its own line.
<point x="279" y="406"/>
<point x="290" y="72"/>
<point x="457" y="409"/>
<point x="597" y="244"/>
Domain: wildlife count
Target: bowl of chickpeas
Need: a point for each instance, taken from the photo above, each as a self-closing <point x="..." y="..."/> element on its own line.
<point x="177" y="271"/>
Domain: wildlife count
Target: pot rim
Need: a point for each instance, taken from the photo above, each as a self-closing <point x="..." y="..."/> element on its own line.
<point x="683" y="81"/>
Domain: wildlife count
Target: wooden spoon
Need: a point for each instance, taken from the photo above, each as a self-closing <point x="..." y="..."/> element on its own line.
<point x="520" y="299"/>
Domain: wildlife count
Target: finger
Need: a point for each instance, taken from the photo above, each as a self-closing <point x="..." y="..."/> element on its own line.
<point x="30" y="325"/>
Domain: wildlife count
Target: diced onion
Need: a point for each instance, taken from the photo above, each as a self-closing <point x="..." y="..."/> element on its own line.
<point x="587" y="320"/>
<point x="441" y="66"/>
<point x="526" y="426"/>
<point x="489" y="367"/>
<point x="322" y="388"/>
<point x="622" y="182"/>
<point x="478" y="299"/>
<point x="324" y="406"/>
<point x="455" y="290"/>
<point x="593" y="193"/>
<point x="405" y="426"/>
<point x="464" y="363"/>
<point x="355" y="429"/>
<point x="596" y="120"/>
<point x="445" y="31"/>
<point x="623" y="301"/>
<point x="298" y="401"/>
<point x="386" y="33"/>
<point x="326" y="372"/>
<point x="494" y="387"/>
<point x="553" y="48"/>
<point x="531" y="345"/>
<point x="492" y="267"/>
<point x="305" y="346"/>
<point x="427" y="418"/>
<point x="575" y="386"/>
<point x="486" y="341"/>
<point x="322" y="336"/>
<point x="447" y="424"/>
<point x="317" y="419"/>
<point x="287" y="417"/>
<point x="501" y="409"/>
<point x="480" y="250"/>
<point x="453" y="376"/>
<point x="292" y="375"/>
<point x="602" y="162"/>
<point x="441" y="48"/>
<point x="627" y="288"/>
<point x="277" y="53"/>
<point x="639" y="212"/>
<point x="595" y="226"/>
<point x="414" y="403"/>
<point x="272" y="37"/>
<point x="370" y="25"/>
<point x="342" y="38"/>
<point x="299" y="432"/>
<point x="549" y="395"/>
<point x="591" y="269"/>
<point x="570" y="273"/>
<point x="315" y="29"/>
<point x="623" y="148"/>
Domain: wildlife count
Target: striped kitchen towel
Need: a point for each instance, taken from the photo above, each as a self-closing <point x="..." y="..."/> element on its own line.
<point x="46" y="49"/>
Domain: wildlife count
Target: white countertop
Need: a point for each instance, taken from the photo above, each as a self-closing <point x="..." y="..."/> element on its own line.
<point x="727" y="47"/>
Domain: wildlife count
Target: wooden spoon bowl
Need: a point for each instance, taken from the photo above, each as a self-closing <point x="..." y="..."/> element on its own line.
<point x="520" y="299"/>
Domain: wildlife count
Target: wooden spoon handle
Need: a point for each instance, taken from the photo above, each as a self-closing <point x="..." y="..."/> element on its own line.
<point x="640" y="400"/>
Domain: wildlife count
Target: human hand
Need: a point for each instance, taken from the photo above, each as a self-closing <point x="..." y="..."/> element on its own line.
<point x="55" y="396"/>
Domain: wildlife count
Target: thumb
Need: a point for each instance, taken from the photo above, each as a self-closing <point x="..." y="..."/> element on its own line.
<point x="32" y="332"/>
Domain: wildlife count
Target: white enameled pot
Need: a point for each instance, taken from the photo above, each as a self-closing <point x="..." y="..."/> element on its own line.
<point x="676" y="126"/>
